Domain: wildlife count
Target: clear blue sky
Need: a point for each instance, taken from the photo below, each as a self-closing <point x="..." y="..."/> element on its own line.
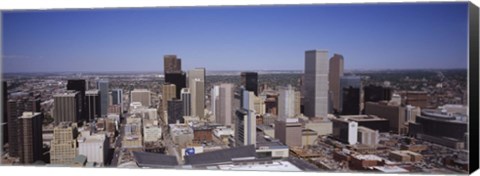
<point x="385" y="36"/>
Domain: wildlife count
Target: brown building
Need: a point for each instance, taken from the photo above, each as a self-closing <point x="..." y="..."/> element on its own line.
<point x="289" y="131"/>
<point x="415" y="98"/>
<point x="201" y="134"/>
<point x="335" y="73"/>
<point x="271" y="104"/>
<point x="363" y="162"/>
<point x="15" y="109"/>
<point x="171" y="64"/>
<point x="393" y="113"/>
<point x="30" y="139"/>
<point x="405" y="156"/>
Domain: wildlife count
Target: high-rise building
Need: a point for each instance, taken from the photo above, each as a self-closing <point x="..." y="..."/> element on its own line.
<point x="214" y="93"/>
<point x="93" y="104"/>
<point x="30" y="141"/>
<point x="394" y="113"/>
<point x="5" y="115"/>
<point x="345" y="131"/>
<point x="67" y="107"/>
<point x="245" y="125"/>
<point x="374" y="93"/>
<point x="334" y="75"/>
<point x="64" y="146"/>
<point x="171" y="64"/>
<point x="102" y="85"/>
<point x="286" y="102"/>
<point x="168" y="93"/>
<point x="249" y="80"/>
<point x="316" y="83"/>
<point x="350" y="95"/>
<point x="224" y="104"/>
<point x="117" y="98"/>
<point x="186" y="99"/>
<point x="289" y="131"/>
<point x="297" y="103"/>
<point x="196" y="83"/>
<point x="15" y="108"/>
<point x="177" y="78"/>
<point x="141" y="95"/>
<point x="79" y="85"/>
<point x="175" y="111"/>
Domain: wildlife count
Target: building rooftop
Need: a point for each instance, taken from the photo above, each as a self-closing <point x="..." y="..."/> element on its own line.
<point x="220" y="156"/>
<point x="154" y="160"/>
<point x="29" y="115"/>
<point x="362" y="118"/>
<point x="267" y="166"/>
<point x="390" y="169"/>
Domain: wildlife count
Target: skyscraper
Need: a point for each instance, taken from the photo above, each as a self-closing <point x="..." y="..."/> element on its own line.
<point x="224" y="105"/>
<point x="168" y="93"/>
<point x="249" y="80"/>
<point x="141" y="95"/>
<point x="30" y="141"/>
<point x="213" y="99"/>
<point x="179" y="79"/>
<point x="286" y="102"/>
<point x="335" y="73"/>
<point x="5" y="115"/>
<point x="117" y="98"/>
<point x="245" y="125"/>
<point x="93" y="104"/>
<point x="175" y="111"/>
<point x="171" y="64"/>
<point x="186" y="98"/>
<point x="316" y="83"/>
<point x="350" y="95"/>
<point x="196" y="84"/>
<point x="80" y="86"/>
<point x="375" y="93"/>
<point x="102" y="85"/>
<point x="67" y="107"/>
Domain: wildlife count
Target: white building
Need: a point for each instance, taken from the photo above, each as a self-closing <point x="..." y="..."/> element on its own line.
<point x="286" y="102"/>
<point x="245" y="126"/>
<point x="368" y="136"/>
<point x="214" y="93"/>
<point x="152" y="133"/>
<point x="316" y="83"/>
<point x="94" y="147"/>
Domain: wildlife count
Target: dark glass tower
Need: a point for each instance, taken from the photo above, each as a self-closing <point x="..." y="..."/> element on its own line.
<point x="249" y="80"/>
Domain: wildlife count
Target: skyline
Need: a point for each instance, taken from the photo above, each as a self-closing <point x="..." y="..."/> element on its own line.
<point x="236" y="38"/>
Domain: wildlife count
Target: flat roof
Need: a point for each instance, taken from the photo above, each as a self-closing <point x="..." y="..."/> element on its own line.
<point x="154" y="160"/>
<point x="220" y="156"/>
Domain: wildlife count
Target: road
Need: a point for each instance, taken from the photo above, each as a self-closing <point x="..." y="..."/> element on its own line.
<point x="118" y="145"/>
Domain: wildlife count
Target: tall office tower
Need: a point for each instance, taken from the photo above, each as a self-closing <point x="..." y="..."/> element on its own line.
<point x="186" y="98"/>
<point x="15" y="108"/>
<point x="171" y="64"/>
<point x="350" y="96"/>
<point x="179" y="79"/>
<point x="141" y="95"/>
<point x="67" y="107"/>
<point x="5" y="116"/>
<point x="249" y="80"/>
<point x="286" y="102"/>
<point x="64" y="145"/>
<point x="375" y="93"/>
<point x="102" y="85"/>
<point x="245" y="125"/>
<point x="224" y="105"/>
<point x="30" y="141"/>
<point x="316" y="83"/>
<point x="334" y="75"/>
<point x="298" y="101"/>
<point x="79" y="85"/>
<point x="117" y="98"/>
<point x="214" y="93"/>
<point x="93" y="104"/>
<point x="196" y="83"/>
<point x="175" y="111"/>
<point x="168" y="93"/>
